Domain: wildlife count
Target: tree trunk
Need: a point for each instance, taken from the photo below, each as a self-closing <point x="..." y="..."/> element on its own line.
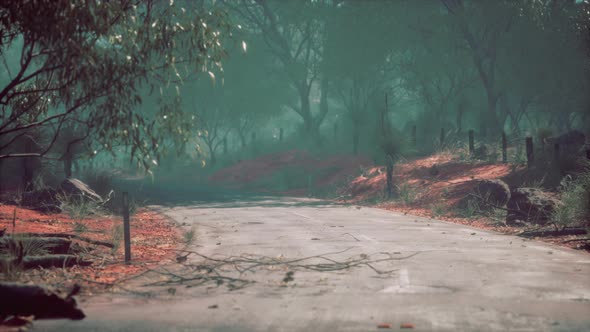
<point x="68" y="166"/>
<point x="355" y="138"/>
<point x="28" y="166"/>
<point x="242" y="139"/>
<point x="70" y="236"/>
<point x="49" y="245"/>
<point x="459" y="121"/>
<point x="212" y="156"/>
<point x="47" y="261"/>
<point x="389" y="175"/>
<point x="323" y="109"/>
<point x="309" y="128"/>
<point x="492" y="115"/>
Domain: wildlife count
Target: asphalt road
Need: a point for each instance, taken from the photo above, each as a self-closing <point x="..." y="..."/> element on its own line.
<point x="386" y="268"/>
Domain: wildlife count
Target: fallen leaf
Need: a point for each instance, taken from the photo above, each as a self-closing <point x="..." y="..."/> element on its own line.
<point x="214" y="306"/>
<point x="384" y="326"/>
<point x="406" y="326"/>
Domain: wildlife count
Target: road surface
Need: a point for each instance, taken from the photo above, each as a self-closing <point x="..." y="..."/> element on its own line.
<point x="376" y="267"/>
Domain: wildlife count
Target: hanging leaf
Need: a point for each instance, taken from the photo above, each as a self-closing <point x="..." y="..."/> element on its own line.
<point x="212" y="77"/>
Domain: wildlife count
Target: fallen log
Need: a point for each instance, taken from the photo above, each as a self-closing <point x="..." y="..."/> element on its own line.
<point x="70" y="236"/>
<point x="567" y="231"/>
<point x="47" y="261"/>
<point x="27" y="300"/>
<point x="577" y="240"/>
<point x="47" y="245"/>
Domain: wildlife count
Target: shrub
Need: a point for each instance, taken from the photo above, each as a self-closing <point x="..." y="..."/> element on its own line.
<point x="76" y="207"/>
<point x="406" y="193"/>
<point x="11" y="264"/>
<point x="574" y="209"/>
<point x="438" y="209"/>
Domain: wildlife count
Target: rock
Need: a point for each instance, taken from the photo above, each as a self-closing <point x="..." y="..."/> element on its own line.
<point x="530" y="205"/>
<point x="571" y="139"/>
<point x="75" y="187"/>
<point x="488" y="193"/>
<point x="496" y="192"/>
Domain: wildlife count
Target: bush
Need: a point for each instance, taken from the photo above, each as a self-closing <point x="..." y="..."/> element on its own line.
<point x="76" y="207"/>
<point x="574" y="209"/>
<point x="406" y="193"/>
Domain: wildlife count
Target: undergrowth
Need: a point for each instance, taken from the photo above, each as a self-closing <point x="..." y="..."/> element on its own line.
<point x="574" y="209"/>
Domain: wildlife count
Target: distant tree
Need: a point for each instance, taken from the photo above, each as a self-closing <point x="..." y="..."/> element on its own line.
<point x="293" y="32"/>
<point x="527" y="56"/>
<point x="87" y="64"/>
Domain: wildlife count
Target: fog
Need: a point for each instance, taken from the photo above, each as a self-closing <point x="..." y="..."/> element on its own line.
<point x="381" y="79"/>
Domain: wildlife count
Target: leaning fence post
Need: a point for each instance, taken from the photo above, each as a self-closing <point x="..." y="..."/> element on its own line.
<point x="530" y="156"/>
<point x="504" y="148"/>
<point x="471" y="142"/>
<point x="126" y="228"/>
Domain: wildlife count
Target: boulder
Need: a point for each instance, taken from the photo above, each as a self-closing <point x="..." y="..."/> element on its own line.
<point x="571" y="139"/>
<point x="76" y="188"/>
<point x="487" y="193"/>
<point x="530" y="205"/>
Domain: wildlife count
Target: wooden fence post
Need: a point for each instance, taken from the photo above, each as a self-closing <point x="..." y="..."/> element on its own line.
<point x="389" y="176"/>
<point x="471" y="142"/>
<point x="414" y="140"/>
<point x="530" y="155"/>
<point x="281" y="134"/>
<point x="126" y="228"/>
<point x="504" y="148"/>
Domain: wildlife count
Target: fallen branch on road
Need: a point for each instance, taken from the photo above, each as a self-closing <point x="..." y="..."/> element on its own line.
<point x="214" y="270"/>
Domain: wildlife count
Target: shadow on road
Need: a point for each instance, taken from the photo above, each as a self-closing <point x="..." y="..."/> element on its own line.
<point x="171" y="195"/>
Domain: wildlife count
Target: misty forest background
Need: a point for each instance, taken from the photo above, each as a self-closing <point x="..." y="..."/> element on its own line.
<point x="153" y="86"/>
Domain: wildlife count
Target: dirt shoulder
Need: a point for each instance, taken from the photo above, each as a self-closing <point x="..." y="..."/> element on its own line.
<point x="436" y="187"/>
<point x="153" y="238"/>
